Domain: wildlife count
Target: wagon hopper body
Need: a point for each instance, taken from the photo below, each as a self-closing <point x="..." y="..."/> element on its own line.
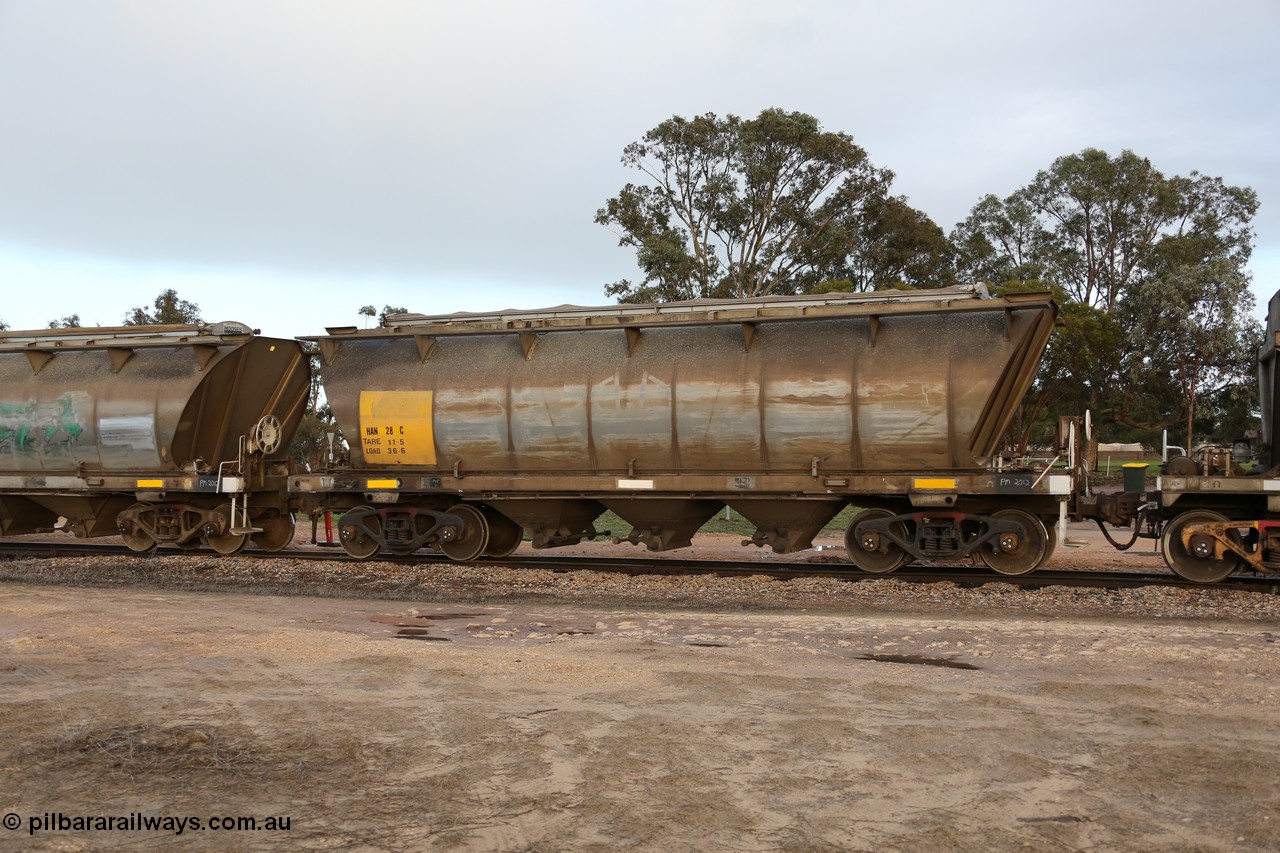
<point x="467" y="431"/>
<point x="157" y="433"/>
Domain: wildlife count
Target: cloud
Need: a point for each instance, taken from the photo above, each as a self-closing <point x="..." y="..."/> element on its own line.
<point x="418" y="144"/>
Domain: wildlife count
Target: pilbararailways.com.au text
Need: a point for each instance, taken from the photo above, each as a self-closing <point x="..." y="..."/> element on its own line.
<point x="139" y="822"/>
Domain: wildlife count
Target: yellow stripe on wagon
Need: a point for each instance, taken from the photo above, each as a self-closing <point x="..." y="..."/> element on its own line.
<point x="934" y="483"/>
<point x="150" y="484"/>
<point x="382" y="484"/>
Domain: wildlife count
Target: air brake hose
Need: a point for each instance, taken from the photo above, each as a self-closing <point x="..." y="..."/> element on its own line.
<point x="1137" y="528"/>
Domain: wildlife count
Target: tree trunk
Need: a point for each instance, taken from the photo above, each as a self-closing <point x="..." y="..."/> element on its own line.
<point x="1191" y="414"/>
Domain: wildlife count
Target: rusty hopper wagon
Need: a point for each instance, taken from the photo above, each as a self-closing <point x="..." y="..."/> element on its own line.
<point x="470" y="431"/>
<point x="155" y="433"/>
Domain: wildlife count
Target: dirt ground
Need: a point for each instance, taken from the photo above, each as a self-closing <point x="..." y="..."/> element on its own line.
<point x="546" y="725"/>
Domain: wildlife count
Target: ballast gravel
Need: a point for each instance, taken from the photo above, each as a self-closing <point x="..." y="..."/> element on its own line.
<point x="447" y="582"/>
<point x="439" y="706"/>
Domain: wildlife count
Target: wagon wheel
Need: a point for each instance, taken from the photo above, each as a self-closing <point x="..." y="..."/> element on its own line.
<point x="872" y="552"/>
<point x="1051" y="543"/>
<point x="1197" y="563"/>
<point x="504" y="534"/>
<point x="138" y="540"/>
<point x="472" y="540"/>
<point x="228" y="543"/>
<point x="277" y="532"/>
<point x="1013" y="554"/>
<point x="359" y="538"/>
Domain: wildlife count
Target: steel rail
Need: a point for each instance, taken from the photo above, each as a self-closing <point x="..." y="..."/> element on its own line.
<point x="959" y="574"/>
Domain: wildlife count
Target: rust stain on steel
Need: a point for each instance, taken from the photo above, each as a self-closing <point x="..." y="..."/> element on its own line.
<point x="166" y="406"/>
<point x="935" y="391"/>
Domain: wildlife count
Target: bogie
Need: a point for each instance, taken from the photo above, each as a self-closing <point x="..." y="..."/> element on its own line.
<point x="1194" y="548"/>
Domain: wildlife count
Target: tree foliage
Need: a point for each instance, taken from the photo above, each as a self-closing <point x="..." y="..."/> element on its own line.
<point x="1149" y="269"/>
<point x="1095" y="225"/>
<point x="387" y="310"/>
<point x="1001" y="241"/>
<point x="1200" y="315"/>
<point x="1151" y="273"/>
<point x="771" y="205"/>
<point x="887" y="243"/>
<point x="1077" y="368"/>
<point x="309" y="449"/>
<point x="168" y="310"/>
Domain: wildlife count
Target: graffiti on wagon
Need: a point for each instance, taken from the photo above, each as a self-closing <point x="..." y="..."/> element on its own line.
<point x="37" y="426"/>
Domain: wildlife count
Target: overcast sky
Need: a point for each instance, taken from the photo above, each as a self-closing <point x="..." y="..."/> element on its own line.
<point x="284" y="163"/>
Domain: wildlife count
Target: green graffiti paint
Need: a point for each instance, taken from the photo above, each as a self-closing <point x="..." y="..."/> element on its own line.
<point x="35" y="425"/>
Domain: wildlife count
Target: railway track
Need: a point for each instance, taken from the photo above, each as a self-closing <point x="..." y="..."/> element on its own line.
<point x="961" y="574"/>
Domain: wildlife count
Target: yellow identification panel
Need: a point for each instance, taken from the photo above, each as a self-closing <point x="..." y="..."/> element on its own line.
<point x="395" y="428"/>
<point x="925" y="483"/>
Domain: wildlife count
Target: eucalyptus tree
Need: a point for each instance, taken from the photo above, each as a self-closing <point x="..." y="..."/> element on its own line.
<point x="772" y="205"/>
<point x="1200" y="318"/>
<point x="168" y="310"/>
<point x="1095" y="225"/>
<point x="1140" y="260"/>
